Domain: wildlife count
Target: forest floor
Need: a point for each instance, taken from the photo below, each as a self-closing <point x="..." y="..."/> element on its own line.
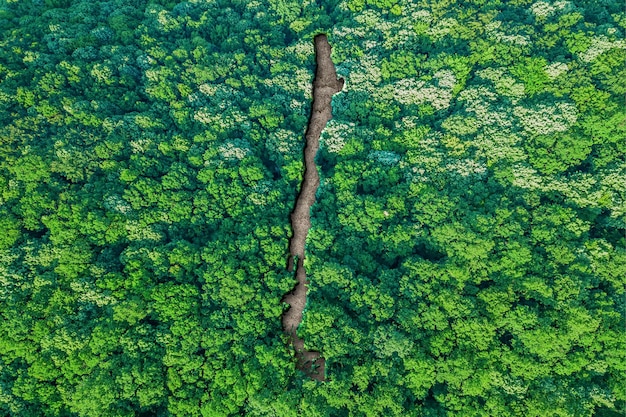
<point x="325" y="86"/>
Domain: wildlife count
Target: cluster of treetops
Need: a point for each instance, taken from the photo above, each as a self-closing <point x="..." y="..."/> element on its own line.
<point x="467" y="255"/>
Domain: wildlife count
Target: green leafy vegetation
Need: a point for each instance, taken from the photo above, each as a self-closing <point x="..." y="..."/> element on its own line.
<point x="467" y="255"/>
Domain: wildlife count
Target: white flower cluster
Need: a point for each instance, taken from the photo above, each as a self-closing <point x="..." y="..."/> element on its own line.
<point x="117" y="203"/>
<point x="221" y="94"/>
<point x="144" y="61"/>
<point x="205" y="116"/>
<point x="416" y="174"/>
<point x="335" y="135"/>
<point x="477" y="96"/>
<point x="479" y="100"/>
<point x="511" y="39"/>
<point x="296" y="104"/>
<point x="384" y="157"/>
<point x="555" y="69"/>
<point x="445" y="79"/>
<point x="437" y="97"/>
<point x="599" y="45"/>
<point x="427" y="160"/>
<point x="410" y="91"/>
<point x="88" y="293"/>
<point x="301" y="83"/>
<point x="525" y="176"/>
<point x="235" y="149"/>
<point x="509" y="384"/>
<point x="370" y="45"/>
<point x="502" y="37"/>
<point x="544" y="120"/>
<point x="486" y="114"/>
<point x="374" y="19"/>
<point x="208" y="89"/>
<point x="398" y="39"/>
<point x="404" y="91"/>
<point x="137" y="231"/>
<point x="581" y="188"/>
<point x="585" y="190"/>
<point x="195" y="99"/>
<point x="421" y="15"/>
<point x="543" y="9"/>
<point x="345" y="32"/>
<point x="260" y="193"/>
<point x="303" y="50"/>
<point x="467" y="167"/>
<point x="408" y="122"/>
<point x="493" y="25"/>
<point x="492" y="74"/>
<point x="227" y="120"/>
<point x="283" y="141"/>
<point x="497" y="144"/>
<point x="365" y="73"/>
<point x="63" y="339"/>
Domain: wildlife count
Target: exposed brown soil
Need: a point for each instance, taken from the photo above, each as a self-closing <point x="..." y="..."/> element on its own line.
<point x="325" y="86"/>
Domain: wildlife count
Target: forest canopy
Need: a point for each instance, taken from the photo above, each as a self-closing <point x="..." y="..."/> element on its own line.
<point x="468" y="250"/>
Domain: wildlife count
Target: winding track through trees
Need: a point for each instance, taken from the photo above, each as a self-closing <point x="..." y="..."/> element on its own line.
<point x="325" y="86"/>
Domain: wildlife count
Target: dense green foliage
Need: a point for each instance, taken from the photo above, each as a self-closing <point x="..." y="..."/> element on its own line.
<point x="467" y="255"/>
<point x="150" y="158"/>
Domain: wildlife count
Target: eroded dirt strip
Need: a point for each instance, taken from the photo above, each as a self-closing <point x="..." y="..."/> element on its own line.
<point x="325" y="86"/>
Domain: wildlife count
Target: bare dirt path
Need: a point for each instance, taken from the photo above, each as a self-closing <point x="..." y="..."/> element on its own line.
<point x="325" y="86"/>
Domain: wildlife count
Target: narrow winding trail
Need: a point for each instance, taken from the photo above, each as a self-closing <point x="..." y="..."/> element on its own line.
<point x="325" y="86"/>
